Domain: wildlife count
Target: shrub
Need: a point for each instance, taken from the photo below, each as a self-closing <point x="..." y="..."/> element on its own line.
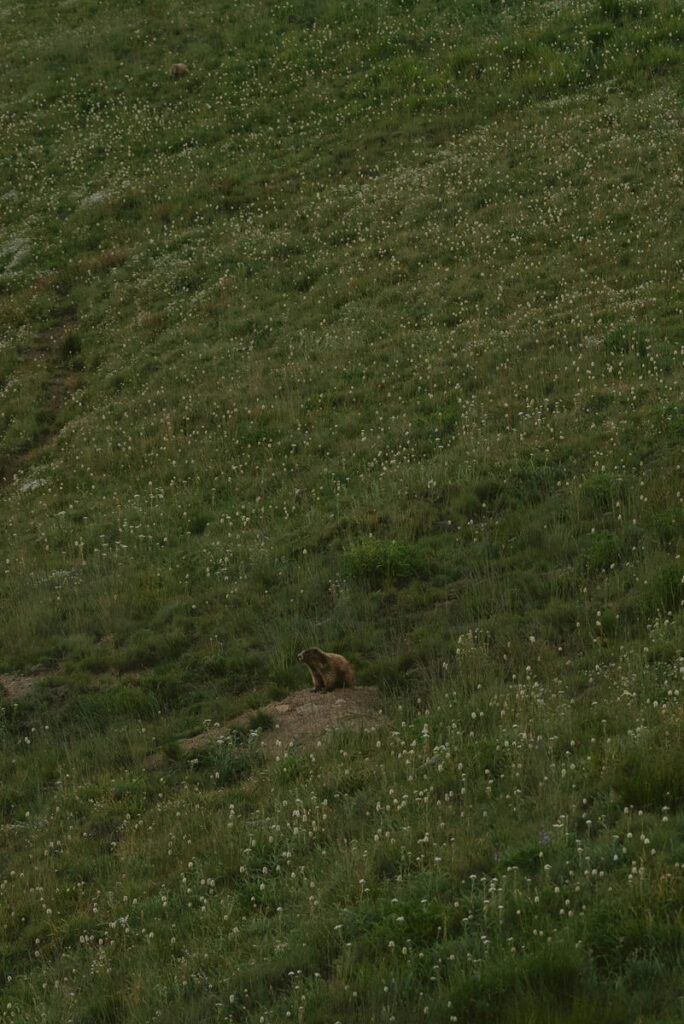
<point x="668" y="588"/>
<point x="597" y="493"/>
<point x="651" y="777"/>
<point x="602" y="550"/>
<point x="384" y="561"/>
<point x="132" y="701"/>
<point x="261" y="720"/>
<point x="229" y="761"/>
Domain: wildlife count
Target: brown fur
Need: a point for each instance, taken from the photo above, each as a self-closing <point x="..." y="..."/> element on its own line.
<point x="178" y="70"/>
<point x="328" y="671"/>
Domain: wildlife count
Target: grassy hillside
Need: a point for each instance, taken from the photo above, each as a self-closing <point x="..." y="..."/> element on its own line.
<point x="365" y="334"/>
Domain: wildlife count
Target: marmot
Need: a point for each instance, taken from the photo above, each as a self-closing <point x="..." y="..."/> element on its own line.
<point x="328" y="671"/>
<point x="178" y="70"/>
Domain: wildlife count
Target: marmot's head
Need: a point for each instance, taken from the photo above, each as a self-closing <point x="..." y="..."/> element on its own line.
<point x="309" y="655"/>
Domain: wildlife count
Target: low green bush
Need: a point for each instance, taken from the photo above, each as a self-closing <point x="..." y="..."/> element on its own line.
<point x="384" y="561"/>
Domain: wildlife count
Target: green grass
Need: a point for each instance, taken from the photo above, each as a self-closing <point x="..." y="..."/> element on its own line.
<point x="366" y="334"/>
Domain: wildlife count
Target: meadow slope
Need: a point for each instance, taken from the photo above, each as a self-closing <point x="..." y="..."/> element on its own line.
<point x="365" y="334"/>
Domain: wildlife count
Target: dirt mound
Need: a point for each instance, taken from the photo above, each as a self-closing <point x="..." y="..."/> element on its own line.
<point x="306" y="714"/>
<point x="302" y="716"/>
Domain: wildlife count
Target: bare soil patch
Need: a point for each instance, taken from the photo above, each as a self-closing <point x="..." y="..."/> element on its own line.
<point x="16" y="685"/>
<point x="301" y="717"/>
